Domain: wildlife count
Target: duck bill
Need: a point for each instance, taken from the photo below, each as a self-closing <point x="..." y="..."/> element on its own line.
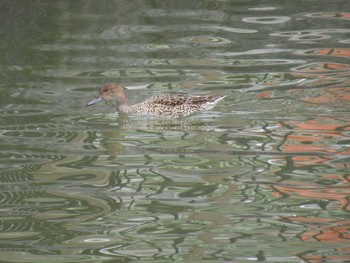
<point x="98" y="98"/>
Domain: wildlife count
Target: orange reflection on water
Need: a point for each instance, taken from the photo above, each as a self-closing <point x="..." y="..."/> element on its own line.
<point x="333" y="258"/>
<point x="314" y="146"/>
<point x="330" y="95"/>
<point x="338" y="52"/>
<point x="345" y="15"/>
<point x="325" y="230"/>
<point x="338" y="15"/>
<point x="322" y="67"/>
<point x="297" y="190"/>
<point x="319" y="135"/>
<point x="322" y="229"/>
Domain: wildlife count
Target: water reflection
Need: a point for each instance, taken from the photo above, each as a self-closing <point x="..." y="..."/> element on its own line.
<point x="264" y="176"/>
<point x="321" y="34"/>
<point x="267" y="20"/>
<point x="337" y="15"/>
<point x="145" y="189"/>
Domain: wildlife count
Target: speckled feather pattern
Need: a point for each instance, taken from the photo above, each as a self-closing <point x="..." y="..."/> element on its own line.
<point x="170" y="106"/>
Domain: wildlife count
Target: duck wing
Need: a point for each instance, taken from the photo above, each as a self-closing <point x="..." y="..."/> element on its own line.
<point x="177" y="105"/>
<point x="178" y="100"/>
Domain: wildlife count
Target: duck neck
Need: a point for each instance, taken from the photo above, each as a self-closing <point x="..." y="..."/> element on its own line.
<point x="135" y="109"/>
<point x="123" y="102"/>
<point x="124" y="108"/>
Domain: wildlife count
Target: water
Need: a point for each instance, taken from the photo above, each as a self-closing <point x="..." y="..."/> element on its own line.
<point x="262" y="177"/>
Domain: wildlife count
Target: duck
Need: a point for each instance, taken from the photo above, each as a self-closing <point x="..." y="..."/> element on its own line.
<point x="168" y="106"/>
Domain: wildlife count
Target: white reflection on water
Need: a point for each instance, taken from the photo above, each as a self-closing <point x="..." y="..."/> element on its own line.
<point x="267" y="19"/>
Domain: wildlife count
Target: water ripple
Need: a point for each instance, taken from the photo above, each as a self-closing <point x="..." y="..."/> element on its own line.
<point x="336" y="15"/>
<point x="267" y="168"/>
<point x="266" y="20"/>
<point x="311" y="35"/>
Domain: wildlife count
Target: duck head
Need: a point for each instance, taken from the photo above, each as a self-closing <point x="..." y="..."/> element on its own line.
<point x="111" y="91"/>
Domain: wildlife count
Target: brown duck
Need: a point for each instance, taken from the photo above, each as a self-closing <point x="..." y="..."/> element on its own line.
<point x="170" y="106"/>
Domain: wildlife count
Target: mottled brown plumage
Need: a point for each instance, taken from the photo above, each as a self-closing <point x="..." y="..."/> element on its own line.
<point x="170" y="106"/>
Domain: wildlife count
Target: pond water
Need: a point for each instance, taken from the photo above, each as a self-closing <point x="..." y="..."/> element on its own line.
<point x="264" y="176"/>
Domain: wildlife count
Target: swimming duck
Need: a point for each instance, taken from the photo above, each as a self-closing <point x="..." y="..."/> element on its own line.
<point x="170" y="106"/>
